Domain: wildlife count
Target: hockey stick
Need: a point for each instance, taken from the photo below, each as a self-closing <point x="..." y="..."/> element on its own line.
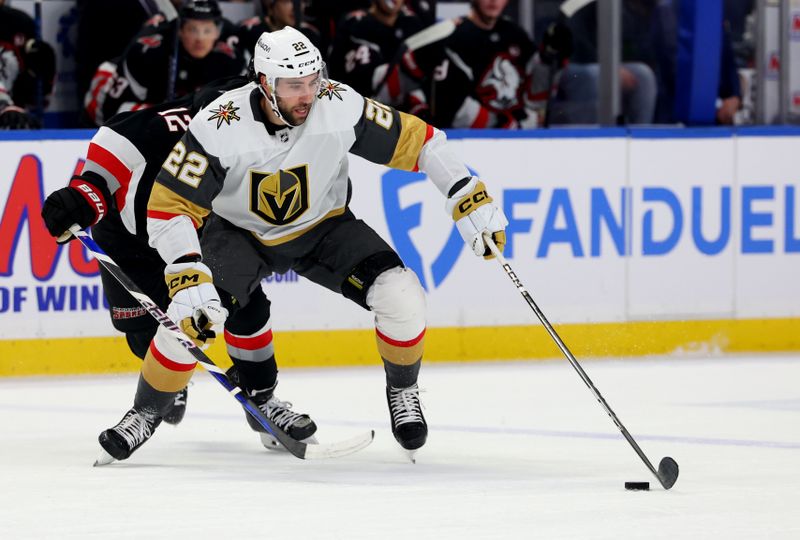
<point x="39" y="97"/>
<point x="297" y="448"/>
<point x="667" y="472"/>
<point x="423" y="38"/>
<point x="570" y="7"/>
<point x="171" y="15"/>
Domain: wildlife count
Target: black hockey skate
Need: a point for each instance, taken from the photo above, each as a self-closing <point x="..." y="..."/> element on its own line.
<point x="298" y="426"/>
<point x="178" y="410"/>
<point x="120" y="441"/>
<point x="408" y="423"/>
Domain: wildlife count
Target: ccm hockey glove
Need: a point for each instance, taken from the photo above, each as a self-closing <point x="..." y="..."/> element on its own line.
<point x="195" y="305"/>
<point x="84" y="202"/>
<point x="475" y="214"/>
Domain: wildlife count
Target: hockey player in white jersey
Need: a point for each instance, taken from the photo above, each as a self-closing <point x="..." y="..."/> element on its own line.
<point x="269" y="160"/>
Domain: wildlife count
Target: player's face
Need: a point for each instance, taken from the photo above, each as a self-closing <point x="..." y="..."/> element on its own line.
<point x="198" y="37"/>
<point x="296" y="96"/>
<point x="282" y="13"/>
<point x="491" y="9"/>
<point x="390" y="7"/>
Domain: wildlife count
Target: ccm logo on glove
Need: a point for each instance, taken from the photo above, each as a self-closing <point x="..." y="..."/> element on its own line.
<point x="476" y="215"/>
<point x="477" y="198"/>
<point x="187" y="278"/>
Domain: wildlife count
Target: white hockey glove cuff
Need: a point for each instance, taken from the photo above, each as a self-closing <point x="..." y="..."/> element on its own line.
<point x="475" y="213"/>
<point x="195" y="306"/>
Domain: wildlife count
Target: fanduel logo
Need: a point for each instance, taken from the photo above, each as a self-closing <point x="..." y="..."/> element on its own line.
<point x="402" y="220"/>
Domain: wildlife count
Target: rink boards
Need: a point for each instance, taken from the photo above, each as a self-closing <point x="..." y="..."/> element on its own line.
<point x="631" y="241"/>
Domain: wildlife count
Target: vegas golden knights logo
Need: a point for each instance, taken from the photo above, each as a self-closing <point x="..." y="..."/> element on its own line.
<point x="281" y="197"/>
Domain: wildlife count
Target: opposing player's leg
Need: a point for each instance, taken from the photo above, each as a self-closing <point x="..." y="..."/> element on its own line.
<point x="248" y="338"/>
<point x="238" y="266"/>
<point x="356" y="262"/>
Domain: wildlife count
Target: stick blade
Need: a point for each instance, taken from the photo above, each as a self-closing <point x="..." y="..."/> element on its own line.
<point x="668" y="472"/>
<point x="431" y="34"/>
<point x="340" y="449"/>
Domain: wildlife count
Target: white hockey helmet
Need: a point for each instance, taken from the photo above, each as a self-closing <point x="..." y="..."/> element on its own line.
<point x="285" y="53"/>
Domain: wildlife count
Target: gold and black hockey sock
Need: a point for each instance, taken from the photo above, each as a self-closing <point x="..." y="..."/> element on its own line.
<point x="398" y="376"/>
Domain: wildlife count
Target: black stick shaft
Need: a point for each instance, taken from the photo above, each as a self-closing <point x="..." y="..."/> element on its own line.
<point x="39" y="97"/>
<point x="572" y="360"/>
<point x="172" y="73"/>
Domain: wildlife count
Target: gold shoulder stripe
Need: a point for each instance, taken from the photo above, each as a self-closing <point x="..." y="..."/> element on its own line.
<point x="163" y="199"/>
<point x="409" y="145"/>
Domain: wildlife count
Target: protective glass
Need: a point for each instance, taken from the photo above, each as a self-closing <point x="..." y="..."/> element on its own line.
<point x="300" y="86"/>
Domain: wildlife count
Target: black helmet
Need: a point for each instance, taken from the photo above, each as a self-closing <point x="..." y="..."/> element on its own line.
<point x="200" y="9"/>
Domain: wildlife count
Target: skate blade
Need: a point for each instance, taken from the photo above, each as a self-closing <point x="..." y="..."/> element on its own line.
<point x="103" y="459"/>
<point x="272" y="444"/>
<point x="411" y="455"/>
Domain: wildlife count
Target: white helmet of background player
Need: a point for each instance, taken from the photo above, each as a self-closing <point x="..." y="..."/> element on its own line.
<point x="285" y="54"/>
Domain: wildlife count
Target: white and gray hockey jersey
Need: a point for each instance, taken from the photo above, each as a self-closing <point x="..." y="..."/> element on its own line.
<point x="280" y="183"/>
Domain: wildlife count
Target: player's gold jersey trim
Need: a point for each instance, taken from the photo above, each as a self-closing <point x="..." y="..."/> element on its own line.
<point x="301" y="232"/>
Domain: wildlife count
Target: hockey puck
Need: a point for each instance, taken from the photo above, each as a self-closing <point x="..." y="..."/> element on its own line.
<point x="637" y="486"/>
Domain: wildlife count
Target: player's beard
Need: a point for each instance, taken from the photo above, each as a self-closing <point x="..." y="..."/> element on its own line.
<point x="290" y="115"/>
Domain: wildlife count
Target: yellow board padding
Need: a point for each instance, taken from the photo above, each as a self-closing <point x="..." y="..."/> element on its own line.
<point x="331" y="348"/>
<point x="68" y="356"/>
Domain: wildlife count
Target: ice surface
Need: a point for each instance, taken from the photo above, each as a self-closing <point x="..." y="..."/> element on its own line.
<point x="516" y="450"/>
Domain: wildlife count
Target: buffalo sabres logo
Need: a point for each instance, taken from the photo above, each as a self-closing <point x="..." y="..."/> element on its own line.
<point x="150" y="42"/>
<point x="331" y="89"/>
<point x="499" y="87"/>
<point x="280" y="197"/>
<point x="225" y="113"/>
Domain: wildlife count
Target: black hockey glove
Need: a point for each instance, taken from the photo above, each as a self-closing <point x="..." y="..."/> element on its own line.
<point x="556" y="45"/>
<point x="82" y="202"/>
<point x="39" y="63"/>
<point x="13" y="117"/>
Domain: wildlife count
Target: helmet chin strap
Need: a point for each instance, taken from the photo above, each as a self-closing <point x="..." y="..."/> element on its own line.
<point x="273" y="104"/>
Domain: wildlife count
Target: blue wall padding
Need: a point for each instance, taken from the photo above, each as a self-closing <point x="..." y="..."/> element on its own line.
<point x="698" y="63"/>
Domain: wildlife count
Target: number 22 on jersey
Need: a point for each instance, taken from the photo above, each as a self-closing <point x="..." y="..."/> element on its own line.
<point x="186" y="168"/>
<point x="378" y="113"/>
